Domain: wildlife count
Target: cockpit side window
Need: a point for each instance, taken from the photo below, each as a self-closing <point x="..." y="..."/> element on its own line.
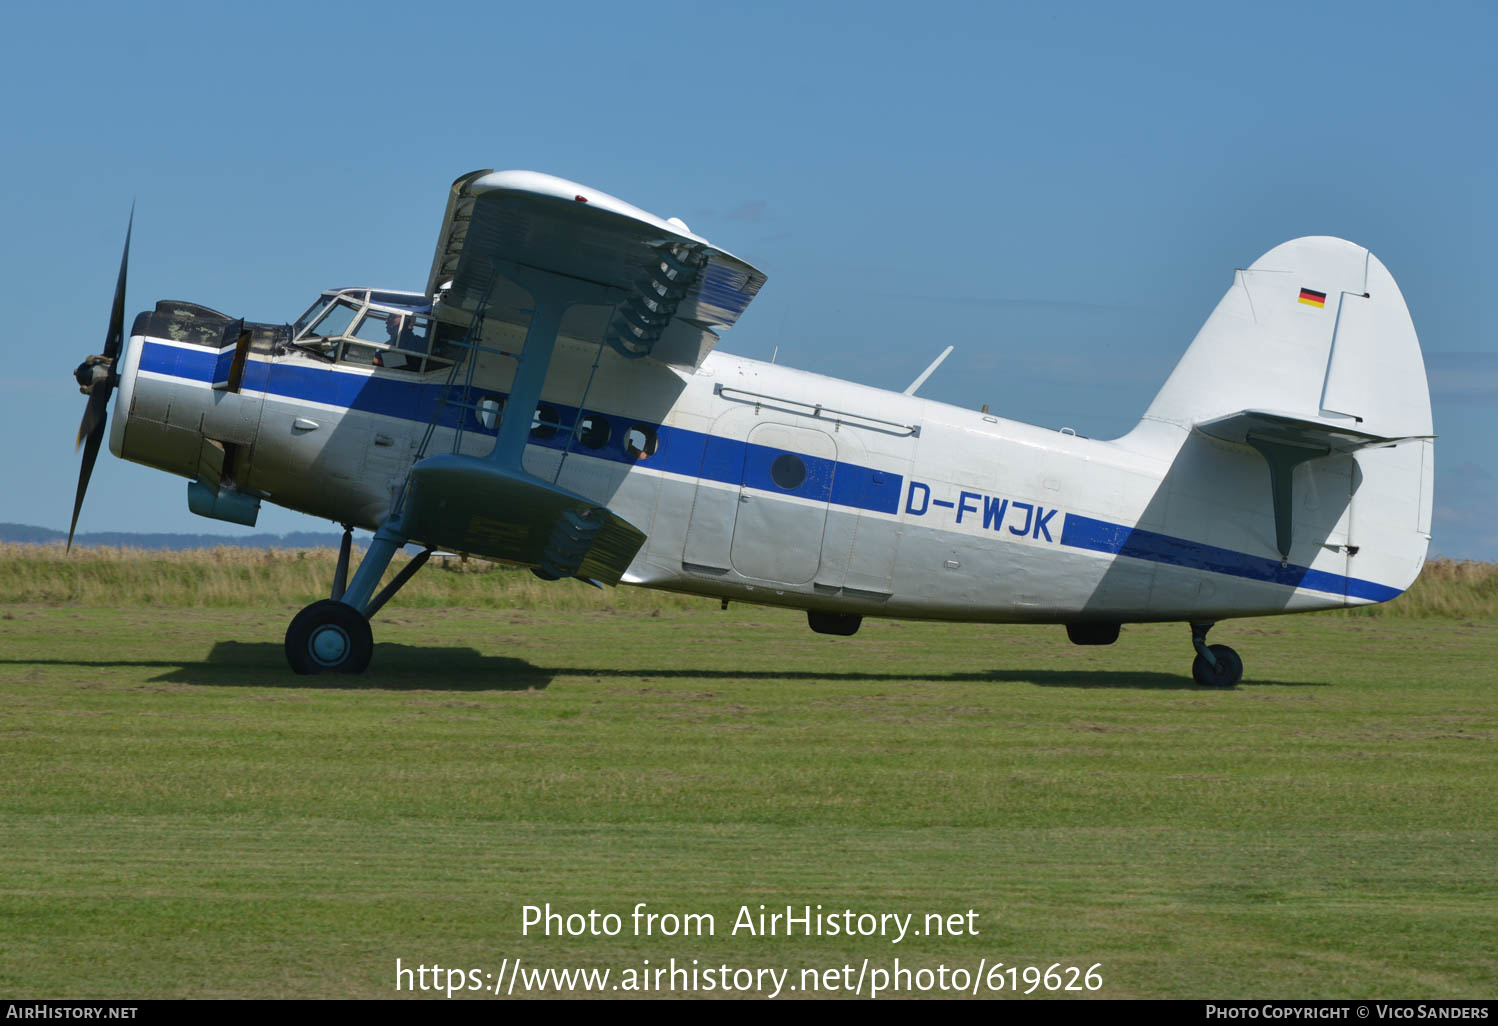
<point x="414" y="334"/>
<point x="377" y="326"/>
<point x="369" y="329"/>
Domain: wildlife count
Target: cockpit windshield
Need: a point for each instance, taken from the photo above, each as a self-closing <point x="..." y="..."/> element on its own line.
<point x="370" y="328"/>
<point x="312" y="314"/>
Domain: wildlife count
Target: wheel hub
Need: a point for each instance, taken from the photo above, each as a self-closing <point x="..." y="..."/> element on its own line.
<point x="329" y="644"/>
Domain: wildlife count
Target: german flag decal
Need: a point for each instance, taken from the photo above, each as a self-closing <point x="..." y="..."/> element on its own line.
<point x="1310" y="297"/>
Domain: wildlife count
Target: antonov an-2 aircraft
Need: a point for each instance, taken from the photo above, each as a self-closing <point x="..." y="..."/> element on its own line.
<point x="553" y="399"/>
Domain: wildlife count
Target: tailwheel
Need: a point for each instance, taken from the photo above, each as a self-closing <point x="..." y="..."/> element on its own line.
<point x="329" y="637"/>
<point x="1227" y="671"/>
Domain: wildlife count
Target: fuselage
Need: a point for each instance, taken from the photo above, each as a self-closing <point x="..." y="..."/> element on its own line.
<point x="758" y="482"/>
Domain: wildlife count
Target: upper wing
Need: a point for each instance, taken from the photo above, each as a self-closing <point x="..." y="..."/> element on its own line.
<point x="670" y="291"/>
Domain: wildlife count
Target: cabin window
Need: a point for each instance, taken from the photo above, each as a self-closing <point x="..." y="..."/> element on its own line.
<point x="487" y="410"/>
<point x="545" y="421"/>
<point x="593" y="431"/>
<point x="788" y="471"/>
<point x="640" y="442"/>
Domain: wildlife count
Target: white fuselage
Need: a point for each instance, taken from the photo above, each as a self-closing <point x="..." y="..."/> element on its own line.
<point x="773" y="485"/>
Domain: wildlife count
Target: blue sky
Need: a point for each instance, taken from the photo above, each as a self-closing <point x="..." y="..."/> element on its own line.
<point x="1062" y="191"/>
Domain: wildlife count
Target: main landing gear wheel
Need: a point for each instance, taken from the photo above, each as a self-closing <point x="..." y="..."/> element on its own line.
<point x="1227" y="672"/>
<point x="329" y="637"/>
<point x="1216" y="666"/>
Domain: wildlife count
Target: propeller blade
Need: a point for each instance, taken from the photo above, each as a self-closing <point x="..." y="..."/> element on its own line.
<point x="96" y="374"/>
<point x="94" y="413"/>
<point x="115" y="340"/>
<point x="90" y="453"/>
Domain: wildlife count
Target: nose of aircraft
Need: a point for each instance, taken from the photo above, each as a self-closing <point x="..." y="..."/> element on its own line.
<point x="91" y="373"/>
<point x="96" y="379"/>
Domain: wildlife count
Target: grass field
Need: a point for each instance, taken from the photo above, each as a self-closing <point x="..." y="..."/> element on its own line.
<point x="181" y="817"/>
<point x="269" y="577"/>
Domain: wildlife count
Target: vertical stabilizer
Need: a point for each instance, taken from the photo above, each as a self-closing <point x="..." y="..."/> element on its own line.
<point x="1309" y="359"/>
<point x="1314" y="328"/>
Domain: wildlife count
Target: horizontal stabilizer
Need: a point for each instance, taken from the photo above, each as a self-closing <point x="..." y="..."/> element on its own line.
<point x="1333" y="436"/>
<point x="496" y="512"/>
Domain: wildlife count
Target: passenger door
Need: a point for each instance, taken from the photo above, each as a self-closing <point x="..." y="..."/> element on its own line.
<point x="782" y="504"/>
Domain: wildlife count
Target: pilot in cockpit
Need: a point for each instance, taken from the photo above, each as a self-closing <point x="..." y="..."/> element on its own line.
<point x="399" y="336"/>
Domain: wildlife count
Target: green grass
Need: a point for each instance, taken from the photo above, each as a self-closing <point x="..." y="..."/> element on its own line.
<point x="226" y="577"/>
<point x="180" y="817"/>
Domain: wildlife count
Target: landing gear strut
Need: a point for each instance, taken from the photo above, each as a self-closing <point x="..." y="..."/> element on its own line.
<point x="332" y="635"/>
<point x="1215" y="666"/>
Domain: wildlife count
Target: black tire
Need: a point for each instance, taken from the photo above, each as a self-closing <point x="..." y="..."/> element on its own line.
<point x="329" y="637"/>
<point x="1227" y="672"/>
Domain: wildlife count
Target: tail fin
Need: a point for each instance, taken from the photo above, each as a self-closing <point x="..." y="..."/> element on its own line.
<point x="1311" y="354"/>
<point x="1315" y="328"/>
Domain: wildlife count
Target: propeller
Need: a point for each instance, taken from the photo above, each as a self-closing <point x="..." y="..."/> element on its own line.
<point x="96" y="379"/>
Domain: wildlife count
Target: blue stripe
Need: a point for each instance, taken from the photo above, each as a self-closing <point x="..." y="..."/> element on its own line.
<point x="1100" y="536"/>
<point x="816" y="481"/>
<point x="223" y="364"/>
<point x="679" y="451"/>
<point x="876" y="490"/>
<point x="693" y="454"/>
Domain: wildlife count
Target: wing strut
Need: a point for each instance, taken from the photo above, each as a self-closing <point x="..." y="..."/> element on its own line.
<point x="552" y="295"/>
<point x="491" y="506"/>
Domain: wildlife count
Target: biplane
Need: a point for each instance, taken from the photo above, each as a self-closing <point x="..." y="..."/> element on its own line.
<point x="554" y="398"/>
